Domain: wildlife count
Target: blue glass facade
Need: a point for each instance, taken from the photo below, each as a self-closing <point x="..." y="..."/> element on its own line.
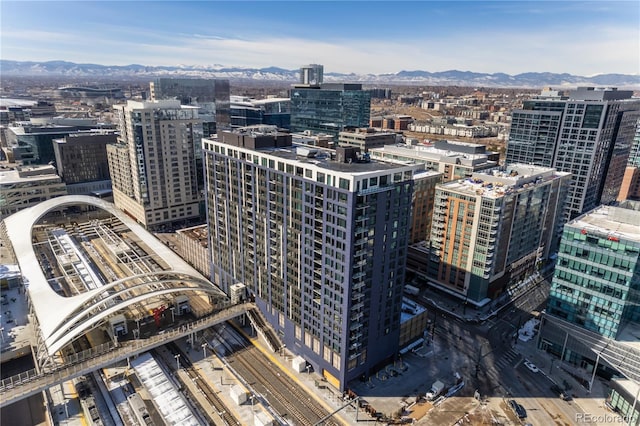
<point x="596" y="280"/>
<point x="329" y="108"/>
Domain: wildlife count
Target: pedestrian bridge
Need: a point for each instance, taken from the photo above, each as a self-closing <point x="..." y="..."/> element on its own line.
<point x="32" y="382"/>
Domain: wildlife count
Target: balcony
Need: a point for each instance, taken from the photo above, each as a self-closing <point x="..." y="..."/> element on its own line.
<point x="355" y="326"/>
<point x="357" y="297"/>
<point x="359" y="286"/>
<point x="357" y="306"/>
<point x="374" y="190"/>
<point x="358" y="275"/>
<point x="355" y="337"/>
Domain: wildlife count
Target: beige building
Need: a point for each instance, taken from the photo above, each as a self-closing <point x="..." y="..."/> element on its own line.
<point x="26" y="186"/>
<point x="194" y="247"/>
<point x="155" y="165"/>
<point x="490" y="231"/>
<point x="455" y="160"/>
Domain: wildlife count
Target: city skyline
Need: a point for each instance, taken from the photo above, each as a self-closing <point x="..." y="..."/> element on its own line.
<point x="582" y="38"/>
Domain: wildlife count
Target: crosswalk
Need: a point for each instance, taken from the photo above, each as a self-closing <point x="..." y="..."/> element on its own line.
<point x="509" y="359"/>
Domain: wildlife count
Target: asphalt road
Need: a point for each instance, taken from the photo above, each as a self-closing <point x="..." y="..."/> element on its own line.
<point x="501" y="370"/>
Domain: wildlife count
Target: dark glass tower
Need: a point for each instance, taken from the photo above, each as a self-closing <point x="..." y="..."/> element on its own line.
<point x="329" y="108"/>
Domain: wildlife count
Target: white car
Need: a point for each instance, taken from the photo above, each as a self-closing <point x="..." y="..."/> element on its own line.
<point x="531" y="366"/>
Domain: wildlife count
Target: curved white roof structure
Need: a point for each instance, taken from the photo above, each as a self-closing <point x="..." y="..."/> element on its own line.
<point x="63" y="319"/>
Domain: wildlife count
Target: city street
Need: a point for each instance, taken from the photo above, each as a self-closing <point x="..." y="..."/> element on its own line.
<point x="493" y="348"/>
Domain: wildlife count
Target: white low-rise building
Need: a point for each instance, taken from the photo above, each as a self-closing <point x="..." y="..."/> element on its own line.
<point x="26" y="186"/>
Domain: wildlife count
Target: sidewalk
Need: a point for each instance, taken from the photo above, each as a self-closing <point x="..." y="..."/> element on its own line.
<point x="457" y="308"/>
<point x="563" y="373"/>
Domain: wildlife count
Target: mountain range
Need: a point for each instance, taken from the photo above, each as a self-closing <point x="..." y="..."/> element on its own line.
<point x="443" y="78"/>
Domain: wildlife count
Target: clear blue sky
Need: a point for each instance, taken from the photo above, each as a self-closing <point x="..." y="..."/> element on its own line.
<point x="577" y="37"/>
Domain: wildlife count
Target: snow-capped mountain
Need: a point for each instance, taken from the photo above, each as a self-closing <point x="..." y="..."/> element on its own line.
<point x="450" y="78"/>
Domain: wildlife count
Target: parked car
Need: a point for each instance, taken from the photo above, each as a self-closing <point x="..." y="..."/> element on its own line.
<point x="563" y="394"/>
<point x="531" y="366"/>
<point x="518" y="409"/>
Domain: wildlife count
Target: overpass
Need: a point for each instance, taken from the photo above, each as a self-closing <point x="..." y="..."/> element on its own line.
<point x="32" y="382"/>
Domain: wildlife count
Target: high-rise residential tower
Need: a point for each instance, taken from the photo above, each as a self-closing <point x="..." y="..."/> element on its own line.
<point x="491" y="230"/>
<point x="588" y="133"/>
<point x="153" y="166"/>
<point x="318" y="237"/>
<point x="630" y="188"/>
<point x="211" y="95"/>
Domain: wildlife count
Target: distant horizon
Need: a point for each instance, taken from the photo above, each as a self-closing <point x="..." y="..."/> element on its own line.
<point x="213" y="67"/>
<point x="583" y="38"/>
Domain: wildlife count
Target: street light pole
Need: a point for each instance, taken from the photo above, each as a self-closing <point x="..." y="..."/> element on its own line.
<point x="177" y="357"/>
<point x="204" y="350"/>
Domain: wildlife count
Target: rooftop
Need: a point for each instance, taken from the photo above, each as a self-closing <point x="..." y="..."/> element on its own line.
<point x="426" y="174"/>
<point x="28" y="173"/>
<point x="162" y="104"/>
<point x="622" y="222"/>
<point x="410" y="309"/>
<point x="428" y="152"/>
<point x="301" y="154"/>
<point x="323" y="160"/>
<point x="498" y="183"/>
<point x="198" y="233"/>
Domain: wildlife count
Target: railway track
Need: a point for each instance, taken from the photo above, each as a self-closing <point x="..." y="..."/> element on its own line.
<point x="202" y="384"/>
<point x="290" y="400"/>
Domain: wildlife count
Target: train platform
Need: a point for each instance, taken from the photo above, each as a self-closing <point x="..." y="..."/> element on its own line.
<point x="222" y="379"/>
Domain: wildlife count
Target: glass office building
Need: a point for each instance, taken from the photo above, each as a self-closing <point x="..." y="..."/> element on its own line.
<point x="592" y="318"/>
<point x="329" y="108"/>
<point x="597" y="276"/>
